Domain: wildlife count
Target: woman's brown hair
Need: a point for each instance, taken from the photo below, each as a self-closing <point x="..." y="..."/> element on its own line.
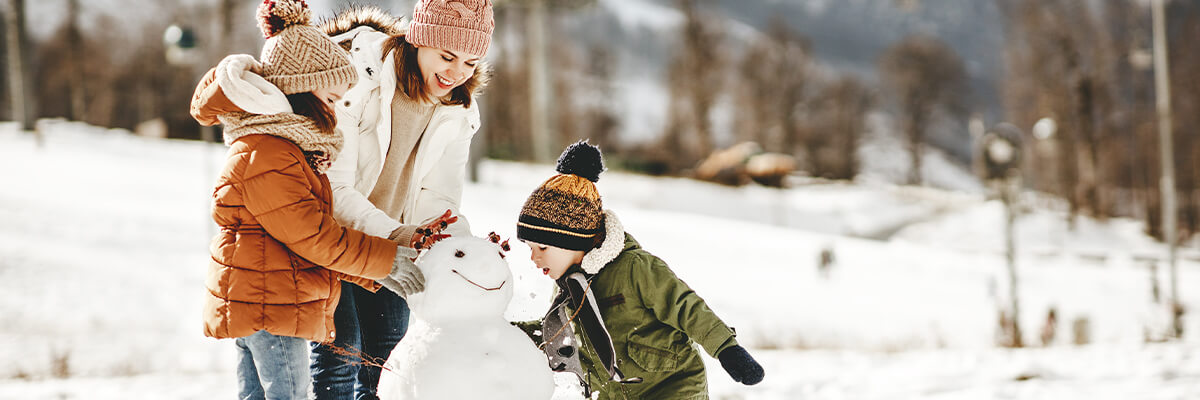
<point x="308" y="105"/>
<point x="409" y="79"/>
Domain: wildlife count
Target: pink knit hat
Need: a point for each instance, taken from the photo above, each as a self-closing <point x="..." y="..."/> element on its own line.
<point x="457" y="25"/>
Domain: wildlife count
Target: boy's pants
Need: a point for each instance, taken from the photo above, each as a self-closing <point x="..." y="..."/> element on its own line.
<point x="367" y="324"/>
<point x="272" y="367"/>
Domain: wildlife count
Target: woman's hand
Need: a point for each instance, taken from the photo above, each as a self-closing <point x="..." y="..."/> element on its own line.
<point x="430" y="233"/>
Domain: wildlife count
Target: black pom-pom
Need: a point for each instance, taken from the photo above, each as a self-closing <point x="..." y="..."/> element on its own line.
<point x="581" y="159"/>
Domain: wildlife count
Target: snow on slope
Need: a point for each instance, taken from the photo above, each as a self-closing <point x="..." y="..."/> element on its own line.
<point x="103" y="242"/>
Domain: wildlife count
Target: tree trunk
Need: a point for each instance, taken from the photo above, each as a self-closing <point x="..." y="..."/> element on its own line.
<point x="75" y="55"/>
<point x="539" y="84"/>
<point x="225" y="41"/>
<point x="916" y="137"/>
<point x="18" y="65"/>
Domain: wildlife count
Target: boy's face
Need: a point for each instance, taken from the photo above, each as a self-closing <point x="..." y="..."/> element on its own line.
<point x="553" y="261"/>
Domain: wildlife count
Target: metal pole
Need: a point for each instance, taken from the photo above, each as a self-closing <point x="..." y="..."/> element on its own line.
<point x="539" y="88"/>
<point x="1010" y="189"/>
<point x="1163" y="103"/>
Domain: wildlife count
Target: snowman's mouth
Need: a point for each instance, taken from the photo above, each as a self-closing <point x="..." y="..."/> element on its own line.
<point x="460" y="275"/>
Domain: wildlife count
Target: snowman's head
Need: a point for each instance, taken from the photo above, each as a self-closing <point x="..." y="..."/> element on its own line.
<point x="466" y="278"/>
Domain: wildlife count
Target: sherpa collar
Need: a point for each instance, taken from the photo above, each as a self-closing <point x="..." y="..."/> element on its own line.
<point x="238" y="77"/>
<point x="614" y="242"/>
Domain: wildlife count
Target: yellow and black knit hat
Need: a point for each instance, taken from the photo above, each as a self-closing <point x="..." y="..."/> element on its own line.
<point x="565" y="211"/>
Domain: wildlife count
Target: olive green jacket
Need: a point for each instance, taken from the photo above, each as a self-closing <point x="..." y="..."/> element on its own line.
<point x="653" y="319"/>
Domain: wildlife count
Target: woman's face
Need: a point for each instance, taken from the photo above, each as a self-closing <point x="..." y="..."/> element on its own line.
<point x="444" y="70"/>
<point x="553" y="261"/>
<point x="332" y="94"/>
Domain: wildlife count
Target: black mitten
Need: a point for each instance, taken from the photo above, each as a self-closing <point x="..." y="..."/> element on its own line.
<point x="740" y="366"/>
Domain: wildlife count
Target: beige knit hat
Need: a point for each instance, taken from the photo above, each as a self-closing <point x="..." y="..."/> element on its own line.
<point x="456" y="25"/>
<point x="297" y="57"/>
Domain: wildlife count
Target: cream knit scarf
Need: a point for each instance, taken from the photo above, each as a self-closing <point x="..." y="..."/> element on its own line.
<point x="320" y="149"/>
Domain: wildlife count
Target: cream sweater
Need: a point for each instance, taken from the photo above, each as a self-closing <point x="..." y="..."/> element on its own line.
<point x="409" y="120"/>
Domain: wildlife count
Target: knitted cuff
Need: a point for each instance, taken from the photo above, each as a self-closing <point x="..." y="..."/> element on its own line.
<point x="403" y="235"/>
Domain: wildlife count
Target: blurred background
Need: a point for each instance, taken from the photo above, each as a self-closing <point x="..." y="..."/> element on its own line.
<point x="981" y="175"/>
<point x="662" y="84"/>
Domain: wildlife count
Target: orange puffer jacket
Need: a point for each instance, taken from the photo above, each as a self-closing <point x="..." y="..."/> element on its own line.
<point x="279" y="257"/>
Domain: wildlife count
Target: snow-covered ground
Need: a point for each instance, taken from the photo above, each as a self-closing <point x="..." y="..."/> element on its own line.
<point x="103" y="248"/>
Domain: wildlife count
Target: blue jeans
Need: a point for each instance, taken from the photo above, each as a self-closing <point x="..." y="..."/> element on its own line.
<point x="367" y="325"/>
<point x="272" y="367"/>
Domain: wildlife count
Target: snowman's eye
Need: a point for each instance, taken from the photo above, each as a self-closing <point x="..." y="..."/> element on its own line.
<point x="459" y="254"/>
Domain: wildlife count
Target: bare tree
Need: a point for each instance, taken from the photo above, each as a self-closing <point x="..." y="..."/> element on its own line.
<point x="840" y="111"/>
<point x="18" y="65"/>
<point x="695" y="79"/>
<point x="525" y="121"/>
<point x="505" y="106"/>
<point x="1062" y="64"/>
<point x="923" y="76"/>
<point x="566" y="85"/>
<point x="5" y="99"/>
<point x="76" y="73"/>
<point x="227" y="12"/>
<point x="772" y="78"/>
<point x="74" y="55"/>
<point x="1089" y="67"/>
<point x="600" y="122"/>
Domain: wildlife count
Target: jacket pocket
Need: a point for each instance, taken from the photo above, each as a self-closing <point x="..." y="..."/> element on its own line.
<point x="650" y="357"/>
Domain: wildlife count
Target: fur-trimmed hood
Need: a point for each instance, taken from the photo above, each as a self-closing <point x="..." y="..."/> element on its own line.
<point x="370" y="17"/>
<point x="614" y="243"/>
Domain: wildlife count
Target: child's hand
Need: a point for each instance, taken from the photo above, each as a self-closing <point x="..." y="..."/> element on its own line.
<point x="740" y="366"/>
<point x="405" y="278"/>
<point x="430" y="233"/>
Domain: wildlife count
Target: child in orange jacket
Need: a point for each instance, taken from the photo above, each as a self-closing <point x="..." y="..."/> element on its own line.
<point x="277" y="262"/>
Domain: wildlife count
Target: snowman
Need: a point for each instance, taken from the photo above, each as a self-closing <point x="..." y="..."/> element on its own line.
<point x="460" y="346"/>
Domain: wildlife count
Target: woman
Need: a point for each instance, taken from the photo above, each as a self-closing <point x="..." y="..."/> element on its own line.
<point x="278" y="260"/>
<point x="408" y="125"/>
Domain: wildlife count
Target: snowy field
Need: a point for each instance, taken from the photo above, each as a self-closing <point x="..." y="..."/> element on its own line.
<point x="103" y="249"/>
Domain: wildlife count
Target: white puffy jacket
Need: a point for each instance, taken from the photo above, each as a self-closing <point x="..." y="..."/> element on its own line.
<point x="364" y="118"/>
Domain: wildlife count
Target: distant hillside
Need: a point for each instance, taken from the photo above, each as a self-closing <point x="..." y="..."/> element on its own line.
<point x="851" y="34"/>
<point x="847" y="36"/>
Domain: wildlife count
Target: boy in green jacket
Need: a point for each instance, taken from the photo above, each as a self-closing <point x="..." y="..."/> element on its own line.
<point x="621" y="321"/>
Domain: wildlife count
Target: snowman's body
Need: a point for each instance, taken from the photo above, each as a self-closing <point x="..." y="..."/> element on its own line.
<point x="460" y="346"/>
